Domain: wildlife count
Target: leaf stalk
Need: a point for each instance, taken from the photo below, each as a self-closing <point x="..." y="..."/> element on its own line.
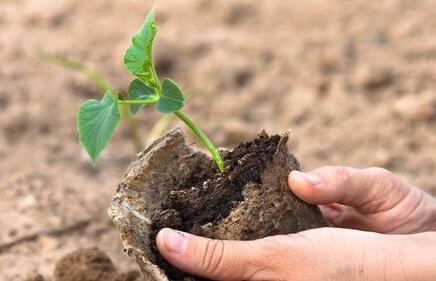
<point x="144" y="102"/>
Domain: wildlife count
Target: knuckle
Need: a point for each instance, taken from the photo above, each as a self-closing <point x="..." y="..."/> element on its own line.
<point x="342" y="174"/>
<point x="385" y="179"/>
<point x="270" y="249"/>
<point x="381" y="172"/>
<point x="271" y="244"/>
<point x="279" y="245"/>
<point x="213" y="256"/>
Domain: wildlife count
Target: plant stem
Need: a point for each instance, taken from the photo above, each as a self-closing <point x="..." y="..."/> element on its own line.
<point x="204" y="139"/>
<point x="126" y="115"/>
<point x="159" y="127"/>
<point x="95" y="77"/>
<point x="156" y="78"/>
<point x="144" y="102"/>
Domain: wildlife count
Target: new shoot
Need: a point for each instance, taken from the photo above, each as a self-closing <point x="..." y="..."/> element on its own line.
<point x="97" y="120"/>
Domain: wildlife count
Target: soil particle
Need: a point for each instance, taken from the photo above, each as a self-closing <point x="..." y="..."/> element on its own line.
<point x="4" y="101"/>
<point x="35" y="277"/>
<point x="89" y="265"/>
<point x="414" y="108"/>
<point x="374" y="77"/>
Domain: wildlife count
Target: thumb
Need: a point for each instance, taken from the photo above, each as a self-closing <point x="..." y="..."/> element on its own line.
<point x="367" y="199"/>
<point x="214" y="259"/>
<point x="367" y="190"/>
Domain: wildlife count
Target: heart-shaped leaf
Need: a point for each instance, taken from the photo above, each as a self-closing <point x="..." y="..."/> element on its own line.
<point x="138" y="57"/>
<point x="97" y="121"/>
<point x="172" y="98"/>
<point x="139" y="91"/>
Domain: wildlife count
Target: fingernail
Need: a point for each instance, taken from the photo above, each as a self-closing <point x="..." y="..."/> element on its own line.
<point x="311" y="178"/>
<point x="175" y="241"/>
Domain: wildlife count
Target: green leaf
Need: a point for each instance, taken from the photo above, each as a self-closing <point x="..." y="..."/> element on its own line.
<point x="97" y="121"/>
<point x="139" y="91"/>
<point x="138" y="57"/>
<point x="172" y="98"/>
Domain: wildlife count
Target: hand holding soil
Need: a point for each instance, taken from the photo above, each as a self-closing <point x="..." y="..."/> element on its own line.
<point x="369" y="199"/>
<point x="354" y="82"/>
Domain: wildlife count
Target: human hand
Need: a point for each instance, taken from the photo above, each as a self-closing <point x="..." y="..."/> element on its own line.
<point x="371" y="199"/>
<point x="321" y="254"/>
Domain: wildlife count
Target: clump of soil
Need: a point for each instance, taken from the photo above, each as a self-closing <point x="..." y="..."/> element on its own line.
<point x="173" y="185"/>
<point x="211" y="199"/>
<point x="89" y="265"/>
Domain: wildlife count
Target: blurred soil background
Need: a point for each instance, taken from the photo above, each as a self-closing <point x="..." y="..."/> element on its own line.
<point x="354" y="82"/>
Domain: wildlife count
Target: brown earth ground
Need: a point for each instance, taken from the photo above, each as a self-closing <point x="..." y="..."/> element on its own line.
<point x="354" y="81"/>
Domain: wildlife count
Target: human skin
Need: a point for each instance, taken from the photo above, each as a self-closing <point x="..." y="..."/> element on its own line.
<point x="383" y="229"/>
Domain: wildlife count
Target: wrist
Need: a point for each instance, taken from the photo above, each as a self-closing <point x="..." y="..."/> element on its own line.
<point x="405" y="257"/>
<point x="420" y="254"/>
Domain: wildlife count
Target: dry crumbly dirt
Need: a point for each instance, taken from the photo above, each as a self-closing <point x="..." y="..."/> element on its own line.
<point x="354" y="81"/>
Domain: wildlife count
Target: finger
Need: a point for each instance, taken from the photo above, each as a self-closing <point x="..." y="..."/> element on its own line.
<point x="346" y="217"/>
<point x="214" y="259"/>
<point x="332" y="211"/>
<point x="367" y="190"/>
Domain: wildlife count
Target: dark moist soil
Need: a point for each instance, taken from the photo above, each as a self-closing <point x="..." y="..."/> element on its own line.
<point x="211" y="198"/>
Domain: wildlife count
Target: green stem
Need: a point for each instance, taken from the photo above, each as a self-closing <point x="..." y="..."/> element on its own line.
<point x="126" y="115"/>
<point x="97" y="79"/>
<point x="144" y="102"/>
<point x="156" y="78"/>
<point x="159" y="128"/>
<point x="204" y="139"/>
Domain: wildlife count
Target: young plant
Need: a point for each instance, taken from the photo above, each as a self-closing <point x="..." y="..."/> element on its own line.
<point x="94" y="76"/>
<point x="101" y="83"/>
<point x="97" y="120"/>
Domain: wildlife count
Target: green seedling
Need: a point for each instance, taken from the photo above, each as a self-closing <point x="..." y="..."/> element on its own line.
<point x="94" y="76"/>
<point x="101" y="83"/>
<point x="97" y="120"/>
